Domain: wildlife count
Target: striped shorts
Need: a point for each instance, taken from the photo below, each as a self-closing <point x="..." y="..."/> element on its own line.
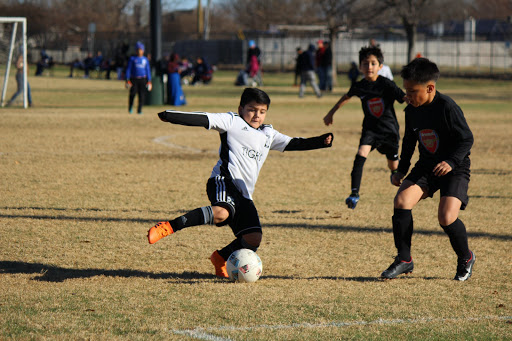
<point x="243" y="216"/>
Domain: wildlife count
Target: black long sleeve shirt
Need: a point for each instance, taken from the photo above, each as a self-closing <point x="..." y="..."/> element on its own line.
<point x="442" y="134"/>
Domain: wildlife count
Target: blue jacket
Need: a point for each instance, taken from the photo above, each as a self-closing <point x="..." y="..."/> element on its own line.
<point x="138" y="67"/>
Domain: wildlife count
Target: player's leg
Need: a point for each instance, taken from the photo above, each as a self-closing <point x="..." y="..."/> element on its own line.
<point x="406" y="198"/>
<point x="218" y="213"/>
<point x="199" y="216"/>
<point x="314" y="85"/>
<point x="142" y="94"/>
<point x="246" y="226"/>
<point x="389" y="146"/>
<point x="131" y="96"/>
<point x="357" y="174"/>
<point x="454" y="198"/>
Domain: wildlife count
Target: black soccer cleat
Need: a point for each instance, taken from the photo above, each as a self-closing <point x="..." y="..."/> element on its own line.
<point x="398" y="267"/>
<point x="352" y="200"/>
<point x="465" y="268"/>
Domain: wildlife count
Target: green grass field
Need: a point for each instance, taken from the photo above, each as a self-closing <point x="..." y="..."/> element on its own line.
<point x="82" y="181"/>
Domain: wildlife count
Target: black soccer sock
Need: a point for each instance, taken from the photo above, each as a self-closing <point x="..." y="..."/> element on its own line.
<point x="456" y="231"/>
<point x="199" y="216"/>
<point x="357" y="173"/>
<point x="230" y="248"/>
<point x="402" y="232"/>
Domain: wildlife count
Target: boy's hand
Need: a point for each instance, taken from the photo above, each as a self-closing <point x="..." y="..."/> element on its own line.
<point x="150" y="86"/>
<point x="328" y="139"/>
<point x="161" y="116"/>
<point x="396" y="178"/>
<point x="442" y="168"/>
<point x="328" y="119"/>
<point x="128" y="84"/>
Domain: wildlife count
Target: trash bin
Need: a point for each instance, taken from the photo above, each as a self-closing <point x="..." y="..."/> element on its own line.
<point x="156" y="95"/>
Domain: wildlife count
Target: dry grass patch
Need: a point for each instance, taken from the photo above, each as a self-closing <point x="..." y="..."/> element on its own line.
<point x="82" y="182"/>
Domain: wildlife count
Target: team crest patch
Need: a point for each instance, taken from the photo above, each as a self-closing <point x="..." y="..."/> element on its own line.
<point x="376" y="106"/>
<point x="429" y="140"/>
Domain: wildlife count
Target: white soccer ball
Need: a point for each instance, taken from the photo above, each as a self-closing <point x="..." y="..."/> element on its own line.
<point x="244" y="266"/>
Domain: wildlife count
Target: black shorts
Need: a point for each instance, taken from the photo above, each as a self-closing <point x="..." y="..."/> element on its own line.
<point x="243" y="216"/>
<point x="454" y="184"/>
<point x="385" y="144"/>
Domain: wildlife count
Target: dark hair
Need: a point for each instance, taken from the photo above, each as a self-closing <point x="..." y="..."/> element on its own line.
<point x="367" y="51"/>
<point x="420" y="70"/>
<point x="253" y="94"/>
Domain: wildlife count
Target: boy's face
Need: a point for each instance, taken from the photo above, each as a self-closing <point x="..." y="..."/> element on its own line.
<point x="370" y="67"/>
<point x="253" y="113"/>
<point x="419" y="94"/>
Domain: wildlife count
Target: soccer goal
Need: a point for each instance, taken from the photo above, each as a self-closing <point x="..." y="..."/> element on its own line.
<point x="13" y="44"/>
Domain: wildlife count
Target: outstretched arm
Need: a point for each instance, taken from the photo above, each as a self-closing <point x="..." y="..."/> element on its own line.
<point x="298" y="143"/>
<point x="194" y="119"/>
<point x="328" y="118"/>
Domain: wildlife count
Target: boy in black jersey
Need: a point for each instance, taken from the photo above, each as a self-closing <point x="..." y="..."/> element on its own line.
<point x="245" y="144"/>
<point x="380" y="126"/>
<point x="437" y="124"/>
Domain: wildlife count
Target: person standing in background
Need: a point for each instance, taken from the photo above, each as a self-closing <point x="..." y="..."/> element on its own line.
<point x="19" y="82"/>
<point x="138" y="77"/>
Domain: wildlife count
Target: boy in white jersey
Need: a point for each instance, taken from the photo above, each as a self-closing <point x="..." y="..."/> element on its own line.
<point x="245" y="143"/>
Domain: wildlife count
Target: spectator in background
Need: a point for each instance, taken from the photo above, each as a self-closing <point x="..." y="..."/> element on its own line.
<point x="320" y="69"/>
<point x="385" y="71"/>
<point x="353" y="73"/>
<point x="202" y="71"/>
<point x="186" y="70"/>
<point x="19" y="82"/>
<point x="297" y="66"/>
<point x="253" y="63"/>
<point x="175" y="95"/>
<point x="326" y="64"/>
<point x="307" y="71"/>
<point x="253" y="51"/>
<point x="138" y="77"/>
<point x="46" y="62"/>
<point x="86" y="65"/>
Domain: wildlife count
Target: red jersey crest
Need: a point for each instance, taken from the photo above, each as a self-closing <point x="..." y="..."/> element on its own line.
<point x="429" y="140"/>
<point x="376" y="106"/>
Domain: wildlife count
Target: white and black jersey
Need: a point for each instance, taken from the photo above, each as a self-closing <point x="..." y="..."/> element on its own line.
<point x="243" y="149"/>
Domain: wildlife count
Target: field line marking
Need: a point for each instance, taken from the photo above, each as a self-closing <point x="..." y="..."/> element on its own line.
<point x="203" y="333"/>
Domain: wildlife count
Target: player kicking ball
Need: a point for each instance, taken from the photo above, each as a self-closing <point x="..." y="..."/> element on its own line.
<point x="245" y="144"/>
<point x="437" y="124"/>
<point x="380" y="126"/>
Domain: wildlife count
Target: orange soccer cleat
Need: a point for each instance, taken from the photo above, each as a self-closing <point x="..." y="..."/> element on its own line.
<point x="160" y="230"/>
<point x="220" y="265"/>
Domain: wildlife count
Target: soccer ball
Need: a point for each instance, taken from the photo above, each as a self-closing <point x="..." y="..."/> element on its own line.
<point x="244" y="266"/>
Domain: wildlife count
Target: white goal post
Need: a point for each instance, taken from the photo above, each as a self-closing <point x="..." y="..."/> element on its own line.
<point x="13" y="45"/>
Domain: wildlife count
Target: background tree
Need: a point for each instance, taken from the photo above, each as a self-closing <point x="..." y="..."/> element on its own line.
<point x="337" y="15"/>
<point x="412" y="13"/>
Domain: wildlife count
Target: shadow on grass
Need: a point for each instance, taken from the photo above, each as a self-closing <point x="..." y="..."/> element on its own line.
<point x="350" y="279"/>
<point x="55" y="274"/>
<point x="51" y="273"/>
<point x="439" y="232"/>
<point x="342" y="228"/>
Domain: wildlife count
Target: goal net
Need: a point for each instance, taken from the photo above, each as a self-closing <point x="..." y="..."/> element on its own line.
<point x="13" y="49"/>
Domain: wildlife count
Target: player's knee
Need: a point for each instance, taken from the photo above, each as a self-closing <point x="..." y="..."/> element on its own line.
<point x="400" y="202"/>
<point x="220" y="214"/>
<point x="252" y="240"/>
<point x="446" y="218"/>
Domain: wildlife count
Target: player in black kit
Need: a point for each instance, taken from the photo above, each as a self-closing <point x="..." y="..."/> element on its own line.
<point x="380" y="126"/>
<point x="437" y="124"/>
